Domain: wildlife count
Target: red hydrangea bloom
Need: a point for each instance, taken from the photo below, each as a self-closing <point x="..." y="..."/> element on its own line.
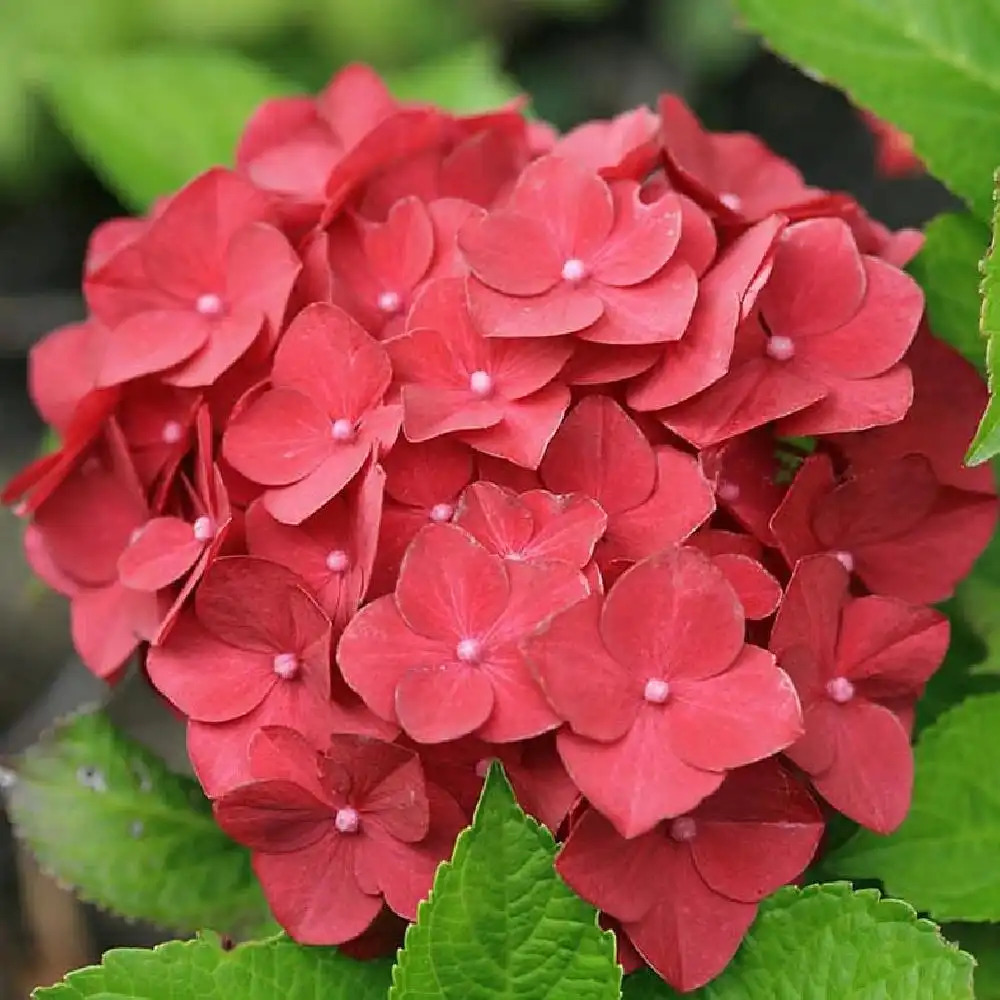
<point x="822" y="354"/>
<point x="440" y="655"/>
<point x="191" y="315"/>
<point x="661" y="693"/>
<point x="653" y="496"/>
<point x="903" y="532"/>
<point x="533" y="526"/>
<point x="309" y="435"/>
<point x="566" y="253"/>
<point x="686" y="891"/>
<point x="62" y="370"/>
<point x="497" y="395"/>
<point x="857" y="665"/>
<point x="333" y="552"/>
<point x="333" y="834"/>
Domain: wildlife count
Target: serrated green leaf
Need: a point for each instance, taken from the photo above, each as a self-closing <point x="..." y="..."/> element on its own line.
<point x="467" y="79"/>
<point x="148" y="122"/>
<point x="947" y="268"/>
<point x="986" y="443"/>
<point x="928" y="66"/>
<point x="829" y="942"/>
<point x="500" y="924"/>
<point x="106" y="817"/>
<point x="982" y="941"/>
<point x="277" y="969"/>
<point x="943" y="859"/>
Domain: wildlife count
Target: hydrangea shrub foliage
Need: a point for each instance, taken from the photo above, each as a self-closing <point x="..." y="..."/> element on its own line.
<point x="552" y="544"/>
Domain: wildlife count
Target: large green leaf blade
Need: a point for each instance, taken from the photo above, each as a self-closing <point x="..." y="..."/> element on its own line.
<point x="928" y="66"/>
<point x="828" y="942"/>
<point x="943" y="859"/>
<point x="150" y="121"/>
<point x="203" y="970"/>
<point x="500" y="924"/>
<point x="106" y="817"/>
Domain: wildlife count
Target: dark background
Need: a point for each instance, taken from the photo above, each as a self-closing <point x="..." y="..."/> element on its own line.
<point x="578" y="58"/>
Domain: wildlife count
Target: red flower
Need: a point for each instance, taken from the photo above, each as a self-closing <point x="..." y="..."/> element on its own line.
<point x="533" y="526"/>
<point x="686" y="892"/>
<point x="739" y="558"/>
<point x="194" y="313"/>
<point x="624" y="148"/>
<point x="855" y="664"/>
<point x="566" y="253"/>
<point x="423" y="483"/>
<point x="333" y="834"/>
<point x="440" y="655"/>
<point x="822" y="355"/>
<point x="62" y="370"/>
<point x="498" y="396"/>
<point x="661" y="693"/>
<point x="333" y="551"/>
<point x="653" y="496"/>
<point x="309" y="435"/>
<point x="733" y="174"/>
<point x="896" y="526"/>
<point x="894" y="153"/>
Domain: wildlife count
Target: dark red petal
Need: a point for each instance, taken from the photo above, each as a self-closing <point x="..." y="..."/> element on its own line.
<point x="759" y="592"/>
<point x="164" y="551"/>
<point x="275" y="816"/>
<point x="871" y="778"/>
<point x="422" y="475"/>
<point x="792" y="523"/>
<point x="278" y="753"/>
<point x="737" y="717"/>
<point x="673" y="616"/>
<point x="596" y="695"/>
<point x="638" y="780"/>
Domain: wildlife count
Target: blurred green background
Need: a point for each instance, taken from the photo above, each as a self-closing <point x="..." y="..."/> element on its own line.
<point x="63" y="62"/>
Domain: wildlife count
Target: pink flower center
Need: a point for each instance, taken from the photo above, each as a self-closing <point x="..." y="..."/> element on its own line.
<point x="481" y="384"/>
<point x="172" y="432"/>
<point x="846" y="560"/>
<point x="656" y="691"/>
<point x="136" y="534"/>
<point x="732" y="201"/>
<point x="204" y="529"/>
<point x="574" y="271"/>
<point x="683" y="829"/>
<point x="347" y="820"/>
<point x="781" y="348"/>
<point x="209" y="304"/>
<point x="342" y="430"/>
<point x="286" y="666"/>
<point x="840" y="690"/>
<point x="469" y="650"/>
<point x="729" y="492"/>
<point x="337" y="561"/>
<point x="441" y="513"/>
<point x="483" y="766"/>
<point x="389" y="302"/>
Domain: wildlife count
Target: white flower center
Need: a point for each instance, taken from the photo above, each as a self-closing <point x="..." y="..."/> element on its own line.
<point x="209" y="304"/>
<point x="469" y="650"/>
<point x="286" y="666"/>
<point x="656" y="691"/>
<point x="781" y="348"/>
<point x="683" y="829"/>
<point x="337" y="561"/>
<point x="389" y="302"/>
<point x="574" y="270"/>
<point x="347" y="820"/>
<point x="840" y="690"/>
<point x="732" y="201"/>
<point x="204" y="529"/>
<point x="441" y="513"/>
<point x="481" y="383"/>
<point x="172" y="432"/>
<point x="729" y="492"/>
<point x="342" y="430"/>
<point x="845" y="559"/>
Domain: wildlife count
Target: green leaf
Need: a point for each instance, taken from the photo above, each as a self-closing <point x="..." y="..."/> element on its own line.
<point x="828" y="942"/>
<point x="467" y="79"/>
<point x="948" y="270"/>
<point x="203" y="970"/>
<point x="943" y="859"/>
<point x="986" y="443"/>
<point x="928" y="66"/>
<point x="148" y="122"/>
<point x="500" y="924"/>
<point x="982" y="941"/>
<point x="105" y="816"/>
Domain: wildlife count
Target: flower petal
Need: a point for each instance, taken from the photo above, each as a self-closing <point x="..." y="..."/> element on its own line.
<point x="442" y="703"/>
<point x="164" y="551"/>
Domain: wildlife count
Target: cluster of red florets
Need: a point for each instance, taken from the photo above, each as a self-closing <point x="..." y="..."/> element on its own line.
<point x="419" y="441"/>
